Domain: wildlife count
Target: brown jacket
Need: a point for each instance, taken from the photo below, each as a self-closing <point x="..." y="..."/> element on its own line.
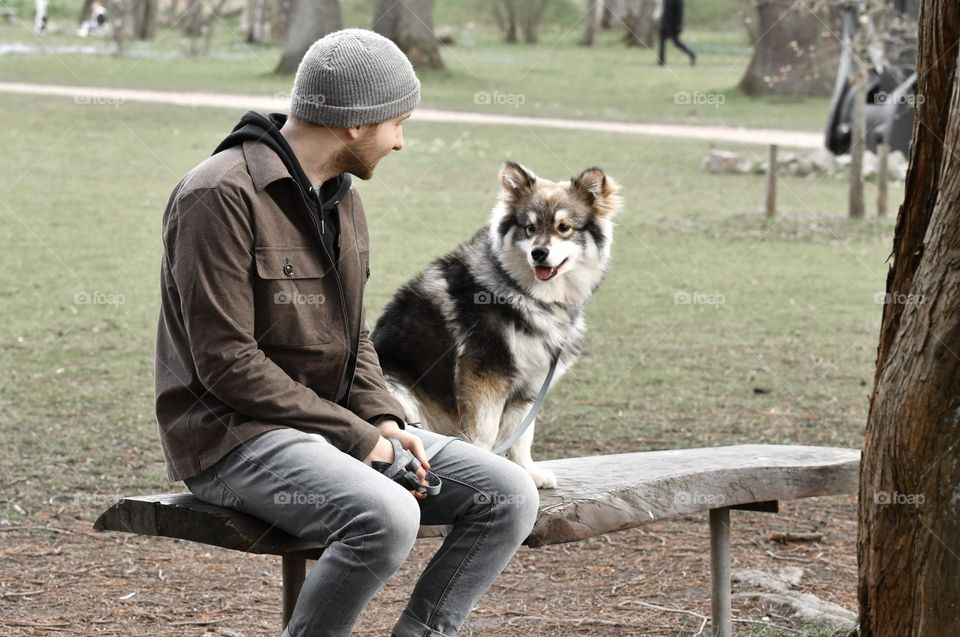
<point x="256" y="326"/>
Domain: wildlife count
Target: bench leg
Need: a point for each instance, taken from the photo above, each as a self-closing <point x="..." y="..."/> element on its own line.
<point x="294" y="572"/>
<point x="720" y="572"/>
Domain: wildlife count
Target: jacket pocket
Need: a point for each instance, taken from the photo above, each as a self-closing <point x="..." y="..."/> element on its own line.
<point x="292" y="297"/>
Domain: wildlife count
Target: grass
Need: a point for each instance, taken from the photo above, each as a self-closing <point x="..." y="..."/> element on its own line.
<point x="714" y="327"/>
<point x="556" y="77"/>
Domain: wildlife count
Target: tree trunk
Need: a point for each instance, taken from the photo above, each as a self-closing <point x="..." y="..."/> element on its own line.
<point x="531" y="12"/>
<point x="858" y="128"/>
<point x="409" y="23"/>
<point x="611" y="17"/>
<point x="795" y="48"/>
<point x="591" y="19"/>
<point x="505" y="13"/>
<point x="909" y="509"/>
<point x="307" y="22"/>
<point x="640" y="26"/>
<point x="258" y="21"/>
<point x="140" y="19"/>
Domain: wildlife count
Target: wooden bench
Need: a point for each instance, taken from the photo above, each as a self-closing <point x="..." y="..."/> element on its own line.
<point x="597" y="494"/>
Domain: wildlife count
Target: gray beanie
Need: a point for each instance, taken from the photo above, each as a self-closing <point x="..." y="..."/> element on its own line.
<point x="353" y="77"/>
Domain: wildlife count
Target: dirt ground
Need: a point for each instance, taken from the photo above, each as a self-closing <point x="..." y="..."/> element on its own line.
<point x="59" y="576"/>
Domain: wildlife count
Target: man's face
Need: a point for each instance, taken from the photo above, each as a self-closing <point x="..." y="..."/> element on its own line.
<point x="374" y="142"/>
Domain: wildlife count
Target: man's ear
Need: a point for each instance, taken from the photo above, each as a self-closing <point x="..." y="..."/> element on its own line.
<point x="517" y="182"/>
<point x="598" y="190"/>
<point x="352" y="133"/>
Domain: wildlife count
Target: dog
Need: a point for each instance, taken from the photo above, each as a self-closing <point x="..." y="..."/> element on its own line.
<point x="466" y="345"/>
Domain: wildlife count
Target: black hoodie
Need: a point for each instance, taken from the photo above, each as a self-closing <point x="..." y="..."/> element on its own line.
<point x="322" y="201"/>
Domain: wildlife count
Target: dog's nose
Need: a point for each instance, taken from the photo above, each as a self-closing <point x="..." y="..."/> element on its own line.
<point x="540" y="253"/>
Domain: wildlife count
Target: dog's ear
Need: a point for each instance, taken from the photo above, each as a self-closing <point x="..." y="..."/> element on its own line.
<point x="598" y="190"/>
<point x="517" y="182"/>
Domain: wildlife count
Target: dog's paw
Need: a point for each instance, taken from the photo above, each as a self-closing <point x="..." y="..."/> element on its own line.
<point x="543" y="478"/>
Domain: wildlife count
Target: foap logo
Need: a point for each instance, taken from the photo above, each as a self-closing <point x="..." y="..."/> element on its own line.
<point x="881" y="98"/>
<point x="884" y="498"/>
<point x="98" y="100"/>
<point x="486" y="98"/>
<point x="309" y="99"/>
<point x="299" y="498"/>
<point x="298" y="298"/>
<point x="89" y="499"/>
<point x="488" y="298"/>
<point x="699" y="298"/>
<point x="694" y="498"/>
<point x="499" y="499"/>
<point x="99" y="298"/>
<point x="897" y="298"/>
<point x="698" y="98"/>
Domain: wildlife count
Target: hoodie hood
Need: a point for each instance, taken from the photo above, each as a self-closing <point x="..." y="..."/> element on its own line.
<point x="256" y="126"/>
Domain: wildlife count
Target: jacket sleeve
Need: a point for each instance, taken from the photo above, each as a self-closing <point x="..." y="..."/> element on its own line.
<point x="369" y="396"/>
<point x="209" y="247"/>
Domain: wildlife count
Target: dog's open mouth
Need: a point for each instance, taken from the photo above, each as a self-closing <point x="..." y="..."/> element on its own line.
<point x="546" y="272"/>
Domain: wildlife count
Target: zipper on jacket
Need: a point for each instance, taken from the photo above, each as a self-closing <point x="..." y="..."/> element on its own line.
<point x="343" y="301"/>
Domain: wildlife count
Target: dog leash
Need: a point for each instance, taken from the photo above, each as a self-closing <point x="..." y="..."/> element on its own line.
<point x="405" y="465"/>
<point x="519" y="431"/>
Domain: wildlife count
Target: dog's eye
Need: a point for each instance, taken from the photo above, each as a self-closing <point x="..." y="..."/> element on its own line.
<point x="563" y="227"/>
<point x="530" y="228"/>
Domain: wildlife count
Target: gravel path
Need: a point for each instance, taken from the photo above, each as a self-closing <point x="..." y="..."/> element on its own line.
<point x="279" y="102"/>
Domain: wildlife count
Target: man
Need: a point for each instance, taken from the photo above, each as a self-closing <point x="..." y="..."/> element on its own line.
<point x="671" y="25"/>
<point x="270" y="397"/>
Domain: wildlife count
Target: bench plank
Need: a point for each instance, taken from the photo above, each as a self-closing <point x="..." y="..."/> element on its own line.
<point x="601" y="494"/>
<point x="596" y="495"/>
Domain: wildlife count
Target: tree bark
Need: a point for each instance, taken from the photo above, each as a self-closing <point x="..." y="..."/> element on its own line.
<point x="532" y="13"/>
<point x="591" y="19"/>
<point x="858" y="128"/>
<point x="795" y="48"/>
<point x="307" y="22"/>
<point x="612" y="14"/>
<point x="909" y="543"/>
<point x="640" y="26"/>
<point x="140" y="19"/>
<point x="409" y="23"/>
<point x="505" y="13"/>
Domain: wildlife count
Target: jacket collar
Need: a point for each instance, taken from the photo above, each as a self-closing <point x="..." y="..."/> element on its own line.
<point x="263" y="164"/>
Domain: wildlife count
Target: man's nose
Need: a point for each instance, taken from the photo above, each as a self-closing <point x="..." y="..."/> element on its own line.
<point x="399" y="144"/>
<point x="539" y="253"/>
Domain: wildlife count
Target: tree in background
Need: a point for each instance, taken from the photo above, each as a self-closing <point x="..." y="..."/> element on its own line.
<point x="591" y="20"/>
<point x="640" y="22"/>
<point x="409" y="23"/>
<point x="263" y="21"/>
<point x="909" y="505"/>
<point x="307" y="21"/>
<point x="636" y="17"/>
<point x="525" y="15"/>
<point x="795" y="48"/>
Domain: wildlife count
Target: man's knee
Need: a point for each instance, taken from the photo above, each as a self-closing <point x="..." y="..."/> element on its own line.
<point x="517" y="499"/>
<point x="388" y="519"/>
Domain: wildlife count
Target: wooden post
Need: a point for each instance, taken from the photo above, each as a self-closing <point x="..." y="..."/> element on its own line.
<point x="720" y="572"/>
<point x="294" y="572"/>
<point x="883" y="154"/>
<point x="771" y="206"/>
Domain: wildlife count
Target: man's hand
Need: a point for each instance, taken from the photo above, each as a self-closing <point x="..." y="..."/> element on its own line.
<point x="383" y="451"/>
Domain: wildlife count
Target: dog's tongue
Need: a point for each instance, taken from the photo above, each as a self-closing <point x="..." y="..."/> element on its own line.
<point x="543" y="272"/>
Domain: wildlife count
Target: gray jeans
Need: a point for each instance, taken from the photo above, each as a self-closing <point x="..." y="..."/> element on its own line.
<point x="308" y="488"/>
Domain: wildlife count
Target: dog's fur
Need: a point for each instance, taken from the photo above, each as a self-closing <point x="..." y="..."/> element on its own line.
<point x="466" y="345"/>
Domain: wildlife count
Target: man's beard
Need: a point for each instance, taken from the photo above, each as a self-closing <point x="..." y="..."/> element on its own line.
<point x="359" y="160"/>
